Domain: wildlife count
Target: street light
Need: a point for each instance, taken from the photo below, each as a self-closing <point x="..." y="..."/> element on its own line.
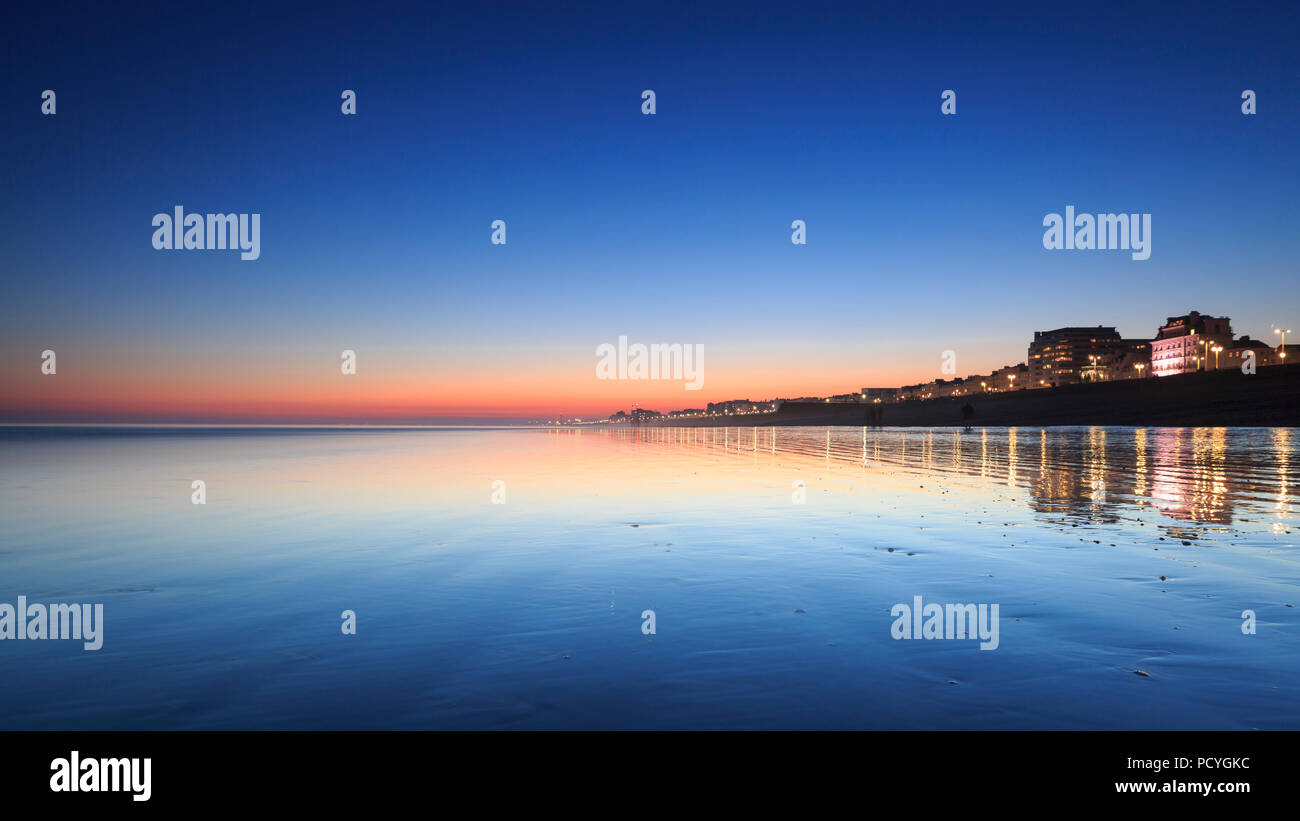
<point x="1139" y="366"/>
<point x="1011" y="378"/>
<point x="1216" y="349"/>
<point x="1281" y="352"/>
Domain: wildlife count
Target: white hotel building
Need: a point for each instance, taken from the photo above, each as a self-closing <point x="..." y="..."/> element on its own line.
<point x="1185" y="343"/>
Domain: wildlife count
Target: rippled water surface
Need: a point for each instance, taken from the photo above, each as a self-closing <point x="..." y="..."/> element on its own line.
<point x="771" y="558"/>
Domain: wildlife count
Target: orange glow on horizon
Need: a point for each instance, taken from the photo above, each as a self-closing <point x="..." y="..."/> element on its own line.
<point x="117" y="386"/>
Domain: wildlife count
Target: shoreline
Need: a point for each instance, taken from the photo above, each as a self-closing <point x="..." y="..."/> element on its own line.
<point x="1228" y="398"/>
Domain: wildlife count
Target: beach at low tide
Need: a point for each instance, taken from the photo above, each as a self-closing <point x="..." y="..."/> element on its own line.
<point x="501" y="578"/>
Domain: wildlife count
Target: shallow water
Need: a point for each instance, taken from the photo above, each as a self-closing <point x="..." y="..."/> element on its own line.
<point x="769" y="612"/>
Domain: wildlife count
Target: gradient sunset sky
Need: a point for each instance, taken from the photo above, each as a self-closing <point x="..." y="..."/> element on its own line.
<point x="924" y="231"/>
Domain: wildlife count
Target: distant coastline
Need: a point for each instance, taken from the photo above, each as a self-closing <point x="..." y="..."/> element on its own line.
<point x="1267" y="398"/>
<point x="1069" y="357"/>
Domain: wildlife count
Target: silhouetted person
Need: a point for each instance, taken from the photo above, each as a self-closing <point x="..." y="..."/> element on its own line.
<point x="967" y="414"/>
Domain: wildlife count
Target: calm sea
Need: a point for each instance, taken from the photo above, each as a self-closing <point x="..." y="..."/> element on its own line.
<point x="502" y="578"/>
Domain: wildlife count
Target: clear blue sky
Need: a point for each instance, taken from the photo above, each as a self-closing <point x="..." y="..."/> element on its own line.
<point x="924" y="231"/>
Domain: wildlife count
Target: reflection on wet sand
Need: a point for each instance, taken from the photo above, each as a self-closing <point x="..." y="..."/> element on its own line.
<point x="1199" y="477"/>
<point x="772" y="556"/>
